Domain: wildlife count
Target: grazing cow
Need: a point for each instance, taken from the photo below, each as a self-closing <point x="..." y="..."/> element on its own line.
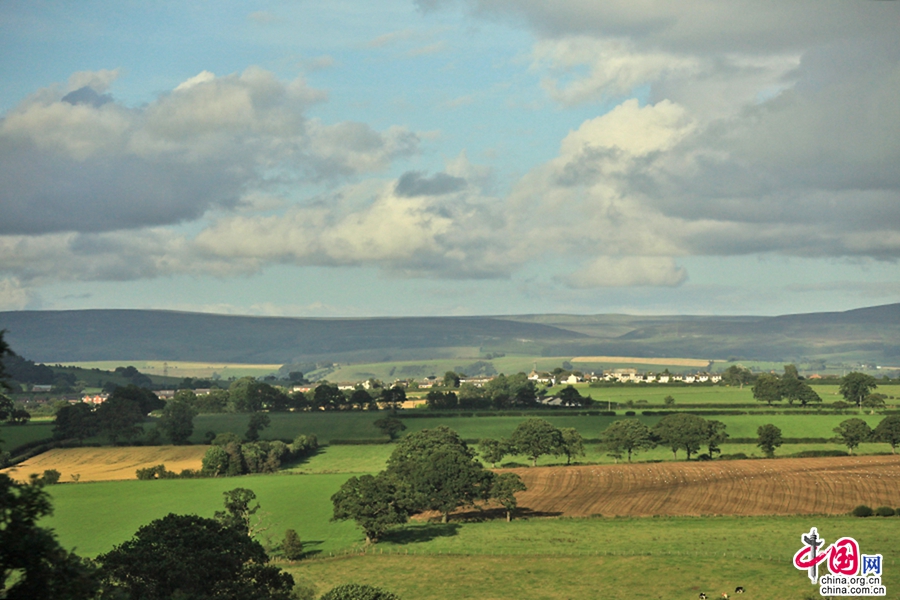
<point x="702" y="596"/>
<point x="739" y="590"/>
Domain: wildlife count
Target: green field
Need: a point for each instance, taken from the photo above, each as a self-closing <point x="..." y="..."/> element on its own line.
<point x="534" y="558"/>
<point x="357" y="425"/>
<point x="96" y="516"/>
<point x="602" y="558"/>
<point x="12" y="436"/>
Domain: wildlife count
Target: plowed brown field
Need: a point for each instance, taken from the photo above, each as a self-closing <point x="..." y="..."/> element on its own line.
<point x="742" y="487"/>
<point x="105" y="464"/>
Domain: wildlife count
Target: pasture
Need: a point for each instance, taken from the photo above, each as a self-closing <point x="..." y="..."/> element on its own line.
<point x="612" y="559"/>
<point x="12" y="436"/>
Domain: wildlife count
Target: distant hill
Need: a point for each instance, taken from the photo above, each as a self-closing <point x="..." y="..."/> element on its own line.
<point x="863" y="335"/>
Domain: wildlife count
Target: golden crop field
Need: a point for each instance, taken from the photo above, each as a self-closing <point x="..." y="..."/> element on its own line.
<point x="833" y="485"/>
<point x="107" y="464"/>
<point x="678" y="362"/>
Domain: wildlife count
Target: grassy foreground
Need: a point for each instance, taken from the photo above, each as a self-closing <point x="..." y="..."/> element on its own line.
<point x="653" y="558"/>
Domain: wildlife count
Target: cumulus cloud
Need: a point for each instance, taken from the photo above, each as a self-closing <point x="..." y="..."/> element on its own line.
<point x="630" y="271"/>
<point x="79" y="161"/>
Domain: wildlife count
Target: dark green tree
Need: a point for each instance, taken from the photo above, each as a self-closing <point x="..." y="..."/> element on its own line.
<point x="75" y="421"/>
<point x="360" y="399"/>
<point x="493" y="451"/>
<point x="436" y="470"/>
<point x="239" y="510"/>
<point x="438" y="400"/>
<point x="807" y="395"/>
<point x="186" y="556"/>
<point x="451" y="379"/>
<point x="572" y="443"/>
<point x="390" y="426"/>
<point x="504" y="490"/>
<point x="535" y="438"/>
<point x="177" y="421"/>
<point x="852" y="433"/>
<point x="682" y="432"/>
<point x="627" y="436"/>
<point x="393" y="397"/>
<point x="119" y="419"/>
<point x="888" y="431"/>
<point x="768" y="388"/>
<point x="328" y="397"/>
<point x="855" y="387"/>
<point x="715" y="436"/>
<point x="146" y="400"/>
<point x="768" y="439"/>
<point x="291" y="546"/>
<point x="737" y="375"/>
<point x="33" y="566"/>
<point x="355" y="591"/>
<point x="257" y="422"/>
<point x="372" y="502"/>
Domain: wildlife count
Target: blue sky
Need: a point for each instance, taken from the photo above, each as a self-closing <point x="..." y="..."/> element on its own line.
<point x="450" y="157"/>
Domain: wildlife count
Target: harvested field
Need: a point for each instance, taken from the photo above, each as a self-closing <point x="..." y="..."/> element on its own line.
<point x="108" y="464"/>
<point x="796" y="486"/>
<point x="679" y="362"/>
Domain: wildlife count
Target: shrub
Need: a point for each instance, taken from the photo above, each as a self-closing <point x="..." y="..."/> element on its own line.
<point x="355" y="591"/>
<point x="629" y="413"/>
<point x="292" y="547"/>
<point x="862" y="511"/>
<point x="884" y="511"/>
<point x="735" y="456"/>
<point x="51" y="476"/>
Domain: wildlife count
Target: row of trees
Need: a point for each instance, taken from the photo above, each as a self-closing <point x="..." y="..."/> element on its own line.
<point x="534" y="438"/>
<point x="853" y="432"/>
<point x="430" y="470"/>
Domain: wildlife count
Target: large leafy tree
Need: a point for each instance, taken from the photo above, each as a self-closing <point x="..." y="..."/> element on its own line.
<point x="33" y="566"/>
<point x="768" y="439"/>
<point x="186" y="556"/>
<point x="768" y="388"/>
<point x="535" y="438"/>
<point x="682" y="432"/>
<point x="852" y="433"/>
<point x="371" y="501"/>
<point x="390" y="426"/>
<point x="75" y="421"/>
<point x="177" y="421"/>
<point x="6" y="403"/>
<point x="504" y="490"/>
<point x="146" y="400"/>
<point x="493" y="451"/>
<point x="436" y="470"/>
<point x="715" y="436"/>
<point x="855" y="387"/>
<point x="119" y="419"/>
<point x="737" y="375"/>
<point x="573" y="443"/>
<point x="628" y="436"/>
<point x="888" y="431"/>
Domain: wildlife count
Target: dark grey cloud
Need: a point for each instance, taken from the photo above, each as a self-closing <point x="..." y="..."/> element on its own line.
<point x="413" y="183"/>
<point x="87" y="95"/>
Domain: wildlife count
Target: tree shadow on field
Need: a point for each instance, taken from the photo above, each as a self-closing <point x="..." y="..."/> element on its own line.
<point x="498" y="514"/>
<point x="307" y="544"/>
<point x="421" y="533"/>
<point x="299" y="462"/>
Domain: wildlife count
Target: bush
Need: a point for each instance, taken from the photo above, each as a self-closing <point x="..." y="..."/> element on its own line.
<point x="51" y="476"/>
<point x="885" y="511"/>
<point x="735" y="456"/>
<point x="292" y="547"/>
<point x="629" y="413"/>
<point x="354" y="591"/>
<point x="862" y="511"/>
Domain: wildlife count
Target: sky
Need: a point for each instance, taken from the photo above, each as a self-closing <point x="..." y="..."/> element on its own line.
<point x="450" y="157"/>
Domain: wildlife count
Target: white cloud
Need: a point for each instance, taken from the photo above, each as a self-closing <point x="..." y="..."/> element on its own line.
<point x="15" y="296"/>
<point x="629" y="271"/>
<point x="86" y="163"/>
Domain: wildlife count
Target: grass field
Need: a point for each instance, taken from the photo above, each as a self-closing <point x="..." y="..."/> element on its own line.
<point x="108" y="464"/>
<point x="95" y="516"/>
<point x="359" y="424"/>
<point x="612" y="559"/>
<point x="12" y="436"/>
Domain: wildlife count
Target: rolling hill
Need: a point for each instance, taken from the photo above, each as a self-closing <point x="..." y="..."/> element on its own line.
<point x="867" y="335"/>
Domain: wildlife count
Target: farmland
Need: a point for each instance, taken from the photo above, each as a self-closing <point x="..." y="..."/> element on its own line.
<point x="108" y="464"/>
<point x="535" y="557"/>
